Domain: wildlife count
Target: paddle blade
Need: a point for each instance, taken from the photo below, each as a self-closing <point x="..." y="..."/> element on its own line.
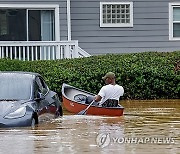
<point x="83" y="112"/>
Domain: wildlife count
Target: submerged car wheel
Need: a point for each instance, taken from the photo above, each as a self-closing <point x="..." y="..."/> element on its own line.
<point x="34" y="120"/>
<point x="59" y="112"/>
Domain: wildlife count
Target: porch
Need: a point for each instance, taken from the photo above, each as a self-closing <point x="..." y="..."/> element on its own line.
<point x="41" y="50"/>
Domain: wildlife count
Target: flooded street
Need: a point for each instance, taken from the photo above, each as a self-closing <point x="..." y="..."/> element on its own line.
<point x="147" y="127"/>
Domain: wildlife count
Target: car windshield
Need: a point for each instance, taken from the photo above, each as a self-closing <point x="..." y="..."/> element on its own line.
<point x="15" y="86"/>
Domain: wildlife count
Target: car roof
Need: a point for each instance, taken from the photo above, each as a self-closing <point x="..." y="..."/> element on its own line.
<point x="30" y="74"/>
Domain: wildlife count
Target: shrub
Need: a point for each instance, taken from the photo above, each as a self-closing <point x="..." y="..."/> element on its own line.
<point x="148" y="75"/>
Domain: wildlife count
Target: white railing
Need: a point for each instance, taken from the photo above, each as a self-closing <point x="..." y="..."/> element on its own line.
<point x="82" y="53"/>
<point x="40" y="50"/>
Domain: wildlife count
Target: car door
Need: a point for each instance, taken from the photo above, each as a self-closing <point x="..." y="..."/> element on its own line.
<point x="42" y="89"/>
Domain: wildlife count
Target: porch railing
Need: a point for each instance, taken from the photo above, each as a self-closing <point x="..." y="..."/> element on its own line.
<point x="41" y="50"/>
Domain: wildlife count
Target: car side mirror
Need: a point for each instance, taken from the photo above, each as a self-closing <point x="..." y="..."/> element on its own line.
<point x="39" y="97"/>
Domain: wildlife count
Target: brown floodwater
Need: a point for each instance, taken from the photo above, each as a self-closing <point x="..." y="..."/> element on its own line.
<point x="147" y="127"/>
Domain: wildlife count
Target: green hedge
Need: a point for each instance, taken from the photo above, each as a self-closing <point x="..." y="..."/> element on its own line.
<point x="148" y="75"/>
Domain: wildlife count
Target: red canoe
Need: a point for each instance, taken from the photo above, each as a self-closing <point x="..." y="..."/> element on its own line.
<point x="74" y="101"/>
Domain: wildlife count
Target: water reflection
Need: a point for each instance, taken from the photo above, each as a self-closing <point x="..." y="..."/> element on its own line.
<point x="142" y="122"/>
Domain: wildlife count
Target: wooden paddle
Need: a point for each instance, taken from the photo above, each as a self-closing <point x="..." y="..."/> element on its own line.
<point x="83" y="112"/>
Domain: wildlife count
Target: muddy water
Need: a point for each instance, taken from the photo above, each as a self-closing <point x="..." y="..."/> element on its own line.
<point x="147" y="127"/>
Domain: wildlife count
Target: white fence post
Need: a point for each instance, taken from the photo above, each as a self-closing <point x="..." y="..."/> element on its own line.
<point x="75" y="52"/>
<point x="24" y="53"/>
<point x="2" y="51"/>
<point x="58" y="51"/>
<point x="40" y="53"/>
<point x="67" y="51"/>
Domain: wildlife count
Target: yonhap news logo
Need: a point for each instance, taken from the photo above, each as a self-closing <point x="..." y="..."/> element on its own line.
<point x="104" y="139"/>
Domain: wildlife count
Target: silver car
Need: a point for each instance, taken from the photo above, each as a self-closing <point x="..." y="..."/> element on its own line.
<point x="24" y="96"/>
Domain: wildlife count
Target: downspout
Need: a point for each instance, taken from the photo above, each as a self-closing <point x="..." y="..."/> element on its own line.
<point x="69" y="19"/>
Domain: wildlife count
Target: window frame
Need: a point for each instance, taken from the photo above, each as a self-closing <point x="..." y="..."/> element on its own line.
<point x="38" y="7"/>
<point x="116" y="24"/>
<point x="171" y="21"/>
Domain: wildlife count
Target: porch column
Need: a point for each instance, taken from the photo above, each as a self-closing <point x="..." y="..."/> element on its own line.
<point x="69" y="19"/>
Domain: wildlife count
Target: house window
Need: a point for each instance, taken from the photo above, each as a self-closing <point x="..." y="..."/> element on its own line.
<point x="116" y="14"/>
<point x="27" y="24"/>
<point x="174" y="24"/>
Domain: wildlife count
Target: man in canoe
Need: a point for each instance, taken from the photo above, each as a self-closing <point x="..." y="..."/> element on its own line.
<point x="109" y="94"/>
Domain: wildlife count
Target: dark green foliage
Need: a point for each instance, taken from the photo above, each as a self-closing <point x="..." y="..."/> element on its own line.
<point x="148" y="75"/>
